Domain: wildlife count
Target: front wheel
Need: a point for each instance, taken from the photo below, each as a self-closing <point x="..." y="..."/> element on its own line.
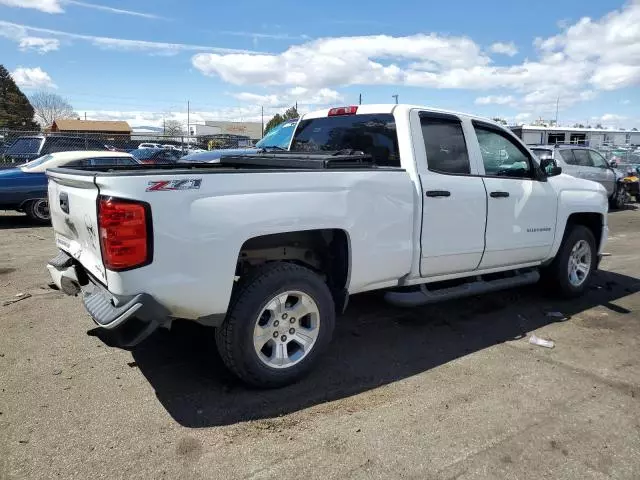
<point x="280" y="321"/>
<point x="570" y="272"/>
<point x="38" y="210"/>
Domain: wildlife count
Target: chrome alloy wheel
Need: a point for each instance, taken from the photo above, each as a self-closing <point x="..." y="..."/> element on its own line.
<point x="286" y="329"/>
<point x="579" y="263"/>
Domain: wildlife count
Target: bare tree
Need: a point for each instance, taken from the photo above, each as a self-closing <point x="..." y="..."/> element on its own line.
<point x="173" y="128"/>
<point x="49" y="107"/>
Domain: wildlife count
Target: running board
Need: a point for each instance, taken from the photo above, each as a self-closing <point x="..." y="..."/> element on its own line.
<point x="425" y="296"/>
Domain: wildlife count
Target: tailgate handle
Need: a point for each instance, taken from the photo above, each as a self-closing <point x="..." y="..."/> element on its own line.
<point x="64" y="202"/>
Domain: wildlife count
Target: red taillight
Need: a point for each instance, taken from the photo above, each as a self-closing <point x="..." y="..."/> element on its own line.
<point x="125" y="236"/>
<point x="343" y="111"/>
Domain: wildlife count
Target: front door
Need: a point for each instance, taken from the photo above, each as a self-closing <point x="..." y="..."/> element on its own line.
<point x="453" y="197"/>
<point x="521" y="212"/>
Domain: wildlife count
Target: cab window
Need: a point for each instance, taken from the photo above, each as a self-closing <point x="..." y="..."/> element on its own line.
<point x="445" y="145"/>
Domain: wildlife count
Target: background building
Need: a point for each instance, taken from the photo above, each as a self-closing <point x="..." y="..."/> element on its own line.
<point x="594" y="137"/>
<point x="95" y="127"/>
<point x="253" y="130"/>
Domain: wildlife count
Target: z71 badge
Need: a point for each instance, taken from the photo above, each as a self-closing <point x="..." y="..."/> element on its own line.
<point x="170" y="185"/>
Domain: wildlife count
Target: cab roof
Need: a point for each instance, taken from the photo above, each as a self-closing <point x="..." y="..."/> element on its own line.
<point x="396" y="108"/>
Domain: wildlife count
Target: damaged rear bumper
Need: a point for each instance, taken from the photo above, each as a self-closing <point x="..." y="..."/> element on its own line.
<point x="126" y="320"/>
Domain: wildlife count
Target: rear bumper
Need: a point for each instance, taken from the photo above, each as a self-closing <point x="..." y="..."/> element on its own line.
<point x="127" y="320"/>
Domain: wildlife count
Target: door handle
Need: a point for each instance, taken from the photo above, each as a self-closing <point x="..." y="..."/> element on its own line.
<point x="499" y="194"/>
<point x="437" y="193"/>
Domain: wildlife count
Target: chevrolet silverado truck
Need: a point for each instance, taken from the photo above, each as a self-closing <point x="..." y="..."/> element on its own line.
<point x="267" y="248"/>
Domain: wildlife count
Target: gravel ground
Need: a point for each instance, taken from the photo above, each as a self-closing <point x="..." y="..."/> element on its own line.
<point x="447" y="391"/>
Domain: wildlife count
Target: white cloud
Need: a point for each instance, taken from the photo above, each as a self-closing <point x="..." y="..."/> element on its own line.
<point x="38" y="44"/>
<point x="261" y="35"/>
<point x="625" y="102"/>
<point x="342" y="61"/>
<point x="47" y="6"/>
<point x="612" y="120"/>
<point x="508" y="49"/>
<point x="137" y="118"/>
<point x="583" y="59"/>
<point x="32" y="78"/>
<point x="55" y="6"/>
<point x="495" y="100"/>
<point x="300" y="95"/>
<point x="522" y="117"/>
<point x="16" y="32"/>
<point x="104" y="8"/>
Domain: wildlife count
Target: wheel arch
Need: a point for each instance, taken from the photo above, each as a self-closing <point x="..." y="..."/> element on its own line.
<point x="327" y="251"/>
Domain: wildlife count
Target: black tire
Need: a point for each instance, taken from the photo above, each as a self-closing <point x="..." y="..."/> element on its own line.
<point x="234" y="338"/>
<point x="38" y="211"/>
<point x="556" y="275"/>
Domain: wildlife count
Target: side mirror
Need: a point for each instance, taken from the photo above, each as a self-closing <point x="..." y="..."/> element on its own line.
<point x="554" y="171"/>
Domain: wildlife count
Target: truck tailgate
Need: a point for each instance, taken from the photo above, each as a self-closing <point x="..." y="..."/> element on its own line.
<point x="73" y="206"/>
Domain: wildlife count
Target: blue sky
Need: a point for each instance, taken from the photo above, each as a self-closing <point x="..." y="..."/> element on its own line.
<point x="141" y="61"/>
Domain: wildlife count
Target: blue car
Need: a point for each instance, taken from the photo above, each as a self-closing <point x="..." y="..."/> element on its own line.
<point x="278" y="138"/>
<point x="24" y="188"/>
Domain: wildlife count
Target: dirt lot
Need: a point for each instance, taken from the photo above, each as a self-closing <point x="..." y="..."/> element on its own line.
<point x="447" y="391"/>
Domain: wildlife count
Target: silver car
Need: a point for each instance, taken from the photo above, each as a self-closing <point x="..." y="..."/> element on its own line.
<point x="583" y="162"/>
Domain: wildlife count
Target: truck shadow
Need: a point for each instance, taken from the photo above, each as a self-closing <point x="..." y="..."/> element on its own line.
<point x="374" y="344"/>
<point x="17" y="221"/>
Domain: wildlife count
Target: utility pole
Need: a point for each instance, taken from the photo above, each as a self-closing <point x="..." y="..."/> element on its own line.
<point x="557" y="104"/>
<point x="85" y="116"/>
<point x="360" y="99"/>
<point x="396" y="97"/>
<point x="296" y="106"/>
<point x="188" y="126"/>
<point x="262" y="114"/>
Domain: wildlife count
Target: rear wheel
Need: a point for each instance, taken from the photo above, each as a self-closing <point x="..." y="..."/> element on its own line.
<point x="280" y="321"/>
<point x="570" y="272"/>
<point x="38" y="210"/>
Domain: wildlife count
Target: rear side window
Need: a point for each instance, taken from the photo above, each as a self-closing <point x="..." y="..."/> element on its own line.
<point x="25" y="145"/>
<point x="567" y="156"/>
<point x="54" y="145"/>
<point x="542" y="153"/>
<point x="445" y="145"/>
<point x="373" y="134"/>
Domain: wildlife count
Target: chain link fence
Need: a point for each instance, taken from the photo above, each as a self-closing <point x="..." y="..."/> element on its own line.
<point x="19" y="146"/>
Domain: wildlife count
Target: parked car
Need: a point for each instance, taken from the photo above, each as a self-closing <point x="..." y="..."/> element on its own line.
<point x="173" y="148"/>
<point x="29" y="148"/>
<point x="587" y="163"/>
<point x="368" y="197"/>
<point x="24" y="188"/>
<point x="150" y="145"/>
<point x="278" y="138"/>
<point x="155" y="156"/>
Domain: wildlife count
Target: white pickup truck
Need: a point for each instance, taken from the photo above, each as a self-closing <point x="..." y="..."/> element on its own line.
<point x="267" y="248"/>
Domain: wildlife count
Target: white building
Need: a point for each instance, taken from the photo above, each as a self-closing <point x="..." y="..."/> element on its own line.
<point x="253" y="130"/>
<point x="594" y="137"/>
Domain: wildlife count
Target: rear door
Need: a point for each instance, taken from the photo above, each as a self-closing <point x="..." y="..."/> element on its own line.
<point x="73" y="207"/>
<point x="453" y="196"/>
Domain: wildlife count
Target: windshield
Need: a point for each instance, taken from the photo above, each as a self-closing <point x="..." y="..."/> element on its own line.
<point x="278" y="136"/>
<point x="373" y="134"/>
<point x="144" y="153"/>
<point x="542" y="153"/>
<point x="28" y="145"/>
<point x="37" y="162"/>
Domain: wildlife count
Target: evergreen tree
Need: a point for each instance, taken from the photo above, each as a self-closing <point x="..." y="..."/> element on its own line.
<point x="278" y="119"/>
<point x="15" y="110"/>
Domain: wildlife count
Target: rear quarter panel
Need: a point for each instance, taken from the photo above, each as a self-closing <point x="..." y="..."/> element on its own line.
<point x="198" y="233"/>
